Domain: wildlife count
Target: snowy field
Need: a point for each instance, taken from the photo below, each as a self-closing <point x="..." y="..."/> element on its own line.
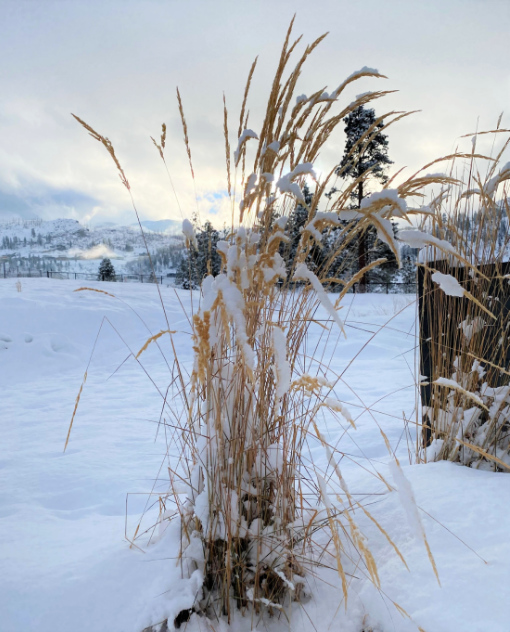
<point x="66" y="565"/>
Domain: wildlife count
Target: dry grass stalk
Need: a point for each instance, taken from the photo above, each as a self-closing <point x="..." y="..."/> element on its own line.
<point x="153" y="339"/>
<point x="245" y="97"/>
<point x="185" y="131"/>
<point x="161" y="146"/>
<point x="93" y="289"/>
<point x="227" y="147"/>
<point x="75" y="409"/>
<point x="109" y="148"/>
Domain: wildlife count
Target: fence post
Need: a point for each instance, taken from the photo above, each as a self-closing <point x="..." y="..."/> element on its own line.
<point x="387" y="288"/>
<point x="48" y="273"/>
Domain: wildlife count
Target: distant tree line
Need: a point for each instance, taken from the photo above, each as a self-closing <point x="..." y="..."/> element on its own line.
<point x="10" y="243"/>
<point x="197" y="262"/>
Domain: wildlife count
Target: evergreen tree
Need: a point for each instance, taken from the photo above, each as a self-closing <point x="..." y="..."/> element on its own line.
<point x="358" y="159"/>
<point x="197" y="263"/>
<point x="377" y="249"/>
<point x="298" y="219"/>
<point x="106" y="271"/>
<point x="408" y="274"/>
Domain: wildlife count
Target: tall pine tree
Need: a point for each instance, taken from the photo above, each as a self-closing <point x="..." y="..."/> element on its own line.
<point x="366" y="160"/>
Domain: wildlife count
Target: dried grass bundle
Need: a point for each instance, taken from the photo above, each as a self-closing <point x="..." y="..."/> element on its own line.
<point x="248" y="520"/>
<point x="465" y="319"/>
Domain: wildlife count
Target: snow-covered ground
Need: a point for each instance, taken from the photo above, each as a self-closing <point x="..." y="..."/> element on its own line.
<point x="65" y="562"/>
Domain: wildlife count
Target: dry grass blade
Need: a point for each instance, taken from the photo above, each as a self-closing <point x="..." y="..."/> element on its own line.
<point x="93" y="289"/>
<point x="450" y="384"/>
<point x="153" y="339"/>
<point x="109" y="148"/>
<point x="227" y="146"/>
<point x="75" y="409"/>
<point x="385" y="533"/>
<point x="449" y="158"/>
<point x="356" y="277"/>
<point x="484" y="453"/>
<point x="491" y="131"/>
<point x="161" y="146"/>
<point x="245" y="97"/>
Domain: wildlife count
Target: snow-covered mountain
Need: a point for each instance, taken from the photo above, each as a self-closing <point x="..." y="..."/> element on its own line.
<point x="67" y="245"/>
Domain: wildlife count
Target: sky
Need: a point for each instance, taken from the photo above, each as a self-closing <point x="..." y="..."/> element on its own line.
<point x="116" y="64"/>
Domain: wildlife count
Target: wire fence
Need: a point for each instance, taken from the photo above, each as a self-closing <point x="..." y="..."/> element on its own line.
<point x="369" y="288"/>
<point x="89" y="276"/>
<point x="387" y="288"/>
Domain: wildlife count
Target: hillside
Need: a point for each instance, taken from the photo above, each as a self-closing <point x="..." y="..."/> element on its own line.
<point x="66" y="245"/>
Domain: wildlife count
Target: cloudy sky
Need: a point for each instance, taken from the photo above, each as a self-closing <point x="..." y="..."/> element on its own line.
<point x="116" y="64"/>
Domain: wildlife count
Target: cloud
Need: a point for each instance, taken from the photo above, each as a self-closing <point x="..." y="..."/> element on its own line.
<point x="123" y="60"/>
<point x="37" y="199"/>
<point x="214" y="202"/>
<point x="12" y="206"/>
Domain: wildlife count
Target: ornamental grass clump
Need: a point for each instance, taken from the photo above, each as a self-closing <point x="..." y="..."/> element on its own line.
<point x="255" y="390"/>
<point x="249" y="498"/>
<point x="465" y="319"/>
